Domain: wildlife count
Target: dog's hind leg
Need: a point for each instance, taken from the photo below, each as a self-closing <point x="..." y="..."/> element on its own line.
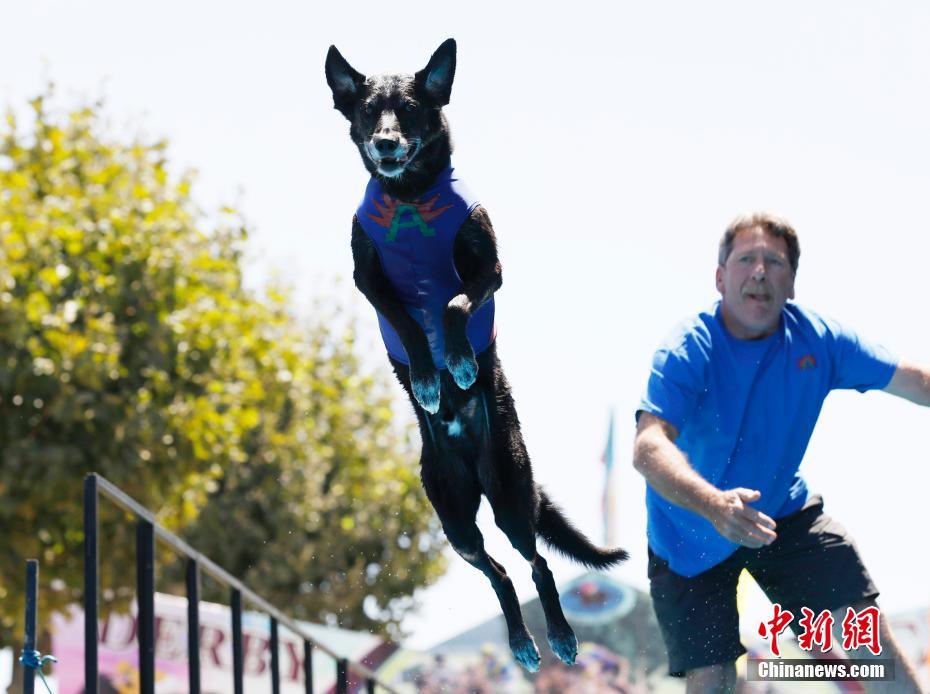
<point x="518" y="527"/>
<point x="456" y="509"/>
<point x="469" y="544"/>
<point x="507" y="480"/>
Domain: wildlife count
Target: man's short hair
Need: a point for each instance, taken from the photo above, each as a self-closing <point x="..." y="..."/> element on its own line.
<point x="770" y="224"/>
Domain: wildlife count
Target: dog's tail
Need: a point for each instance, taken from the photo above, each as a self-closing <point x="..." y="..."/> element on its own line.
<point x="559" y="533"/>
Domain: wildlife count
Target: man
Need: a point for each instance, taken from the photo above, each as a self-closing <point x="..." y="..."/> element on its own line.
<point x="721" y="430"/>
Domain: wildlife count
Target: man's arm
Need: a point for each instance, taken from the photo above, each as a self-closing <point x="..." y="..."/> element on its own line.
<point x="911" y="382"/>
<point x="665" y="467"/>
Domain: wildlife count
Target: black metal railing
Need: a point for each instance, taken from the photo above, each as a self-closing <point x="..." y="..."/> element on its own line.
<point x="146" y="531"/>
<point x="31" y="659"/>
<point x="29" y="642"/>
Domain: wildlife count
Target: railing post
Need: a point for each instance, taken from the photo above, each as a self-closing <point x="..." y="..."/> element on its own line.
<point x="308" y="667"/>
<point x="371" y="686"/>
<point x="91" y="672"/>
<point x="236" y="605"/>
<point x="193" y="626"/>
<point x="275" y="665"/>
<point x="342" y="676"/>
<point x="145" y="599"/>
<point x="29" y="642"/>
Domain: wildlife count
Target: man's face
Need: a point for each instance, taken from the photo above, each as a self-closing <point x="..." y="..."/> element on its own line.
<point x="755" y="282"/>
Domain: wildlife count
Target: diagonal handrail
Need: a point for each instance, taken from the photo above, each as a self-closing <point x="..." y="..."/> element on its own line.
<point x="94" y="484"/>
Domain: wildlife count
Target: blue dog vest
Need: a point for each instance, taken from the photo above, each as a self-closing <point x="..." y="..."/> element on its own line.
<point x="415" y="244"/>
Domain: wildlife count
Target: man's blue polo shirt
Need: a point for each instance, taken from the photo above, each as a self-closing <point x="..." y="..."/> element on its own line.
<point x="745" y="411"/>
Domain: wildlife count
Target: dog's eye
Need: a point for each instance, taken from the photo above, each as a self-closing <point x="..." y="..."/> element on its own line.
<point x="368" y="109"/>
<point x="410" y="107"/>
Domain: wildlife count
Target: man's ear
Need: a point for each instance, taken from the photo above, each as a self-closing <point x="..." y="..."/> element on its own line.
<point x="435" y="80"/>
<point x="720" y="279"/>
<point x="344" y="80"/>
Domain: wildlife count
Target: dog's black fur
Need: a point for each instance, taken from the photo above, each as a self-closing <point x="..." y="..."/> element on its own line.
<point x="471" y="435"/>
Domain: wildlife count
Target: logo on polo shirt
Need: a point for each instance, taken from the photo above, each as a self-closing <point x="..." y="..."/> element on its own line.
<point x="807" y="362"/>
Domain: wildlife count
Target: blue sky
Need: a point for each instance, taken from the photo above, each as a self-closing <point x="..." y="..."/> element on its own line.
<point x="611" y="144"/>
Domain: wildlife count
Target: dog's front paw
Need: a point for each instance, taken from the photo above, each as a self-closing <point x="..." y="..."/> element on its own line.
<point x="425" y="386"/>
<point x="463" y="368"/>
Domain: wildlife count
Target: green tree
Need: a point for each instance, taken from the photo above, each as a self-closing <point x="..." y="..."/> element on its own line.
<point x="338" y="531"/>
<point x="128" y="346"/>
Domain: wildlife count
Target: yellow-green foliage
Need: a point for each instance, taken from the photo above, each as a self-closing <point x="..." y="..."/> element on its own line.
<point x="128" y="346"/>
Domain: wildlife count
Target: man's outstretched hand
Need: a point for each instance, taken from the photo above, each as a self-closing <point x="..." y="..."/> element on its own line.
<point x="733" y="518"/>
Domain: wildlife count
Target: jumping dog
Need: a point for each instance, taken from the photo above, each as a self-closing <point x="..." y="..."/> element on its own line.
<point x="425" y="257"/>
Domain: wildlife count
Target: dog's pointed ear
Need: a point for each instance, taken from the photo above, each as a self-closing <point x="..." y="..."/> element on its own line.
<point x="344" y="80"/>
<point x="435" y="80"/>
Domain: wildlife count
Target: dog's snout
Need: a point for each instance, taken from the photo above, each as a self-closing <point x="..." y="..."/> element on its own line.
<point x="386" y="145"/>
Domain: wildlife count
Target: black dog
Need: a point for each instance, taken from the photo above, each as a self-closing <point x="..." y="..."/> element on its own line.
<point x="471" y="435"/>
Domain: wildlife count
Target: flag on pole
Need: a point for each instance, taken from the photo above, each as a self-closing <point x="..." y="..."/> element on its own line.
<point x="608" y="501"/>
